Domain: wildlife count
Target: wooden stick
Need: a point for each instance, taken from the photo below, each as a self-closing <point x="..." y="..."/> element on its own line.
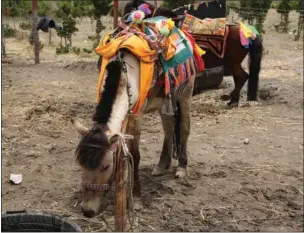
<point x="121" y="190"/>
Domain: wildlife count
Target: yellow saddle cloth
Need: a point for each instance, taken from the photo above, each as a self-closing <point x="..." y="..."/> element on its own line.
<point x="140" y="48"/>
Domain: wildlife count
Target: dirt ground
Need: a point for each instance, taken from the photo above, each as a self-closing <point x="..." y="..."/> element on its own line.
<point x="231" y="186"/>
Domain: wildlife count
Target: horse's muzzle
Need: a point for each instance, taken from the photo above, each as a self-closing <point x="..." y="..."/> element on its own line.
<point x="88" y="213"/>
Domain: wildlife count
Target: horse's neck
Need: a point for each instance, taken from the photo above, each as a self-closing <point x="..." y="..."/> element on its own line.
<point x="126" y="96"/>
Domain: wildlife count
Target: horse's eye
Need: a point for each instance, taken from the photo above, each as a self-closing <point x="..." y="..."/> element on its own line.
<point x="105" y="167"/>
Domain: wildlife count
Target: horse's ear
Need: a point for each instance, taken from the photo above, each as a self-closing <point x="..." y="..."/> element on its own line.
<point x="82" y="130"/>
<point x="114" y="139"/>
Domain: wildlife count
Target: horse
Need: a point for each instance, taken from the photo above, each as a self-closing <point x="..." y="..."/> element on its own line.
<point x="96" y="150"/>
<point x="233" y="55"/>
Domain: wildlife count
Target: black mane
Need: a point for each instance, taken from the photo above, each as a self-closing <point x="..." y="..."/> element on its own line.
<point x="103" y="110"/>
<point x="95" y="144"/>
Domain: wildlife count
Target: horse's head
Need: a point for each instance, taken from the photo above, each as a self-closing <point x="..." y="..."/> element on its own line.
<point x="96" y="151"/>
<point x="96" y="155"/>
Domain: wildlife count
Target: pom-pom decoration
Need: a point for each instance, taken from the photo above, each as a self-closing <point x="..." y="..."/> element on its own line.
<point x="171" y="24"/>
<point x="137" y="16"/>
<point x="164" y="31"/>
<point x="166" y="27"/>
<point x="145" y="8"/>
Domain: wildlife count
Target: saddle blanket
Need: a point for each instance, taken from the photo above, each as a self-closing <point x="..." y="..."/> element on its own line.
<point x="207" y="26"/>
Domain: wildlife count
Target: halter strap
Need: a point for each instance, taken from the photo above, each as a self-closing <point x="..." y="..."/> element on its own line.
<point x="95" y="187"/>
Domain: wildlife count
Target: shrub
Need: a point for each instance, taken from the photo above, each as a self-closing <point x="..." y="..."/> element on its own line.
<point x="63" y="50"/>
<point x="85" y="50"/>
<point x="76" y="50"/>
<point x="25" y="25"/>
<point x="8" y="31"/>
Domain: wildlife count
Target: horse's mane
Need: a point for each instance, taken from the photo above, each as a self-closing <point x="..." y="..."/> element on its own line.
<point x="94" y="145"/>
<point x="104" y="108"/>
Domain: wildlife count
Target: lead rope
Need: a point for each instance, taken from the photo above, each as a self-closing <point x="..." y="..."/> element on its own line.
<point x="128" y="158"/>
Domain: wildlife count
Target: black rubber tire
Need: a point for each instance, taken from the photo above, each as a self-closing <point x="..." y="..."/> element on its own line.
<point x="23" y="221"/>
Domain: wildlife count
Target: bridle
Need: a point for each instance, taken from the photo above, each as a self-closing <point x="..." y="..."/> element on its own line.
<point x="101" y="187"/>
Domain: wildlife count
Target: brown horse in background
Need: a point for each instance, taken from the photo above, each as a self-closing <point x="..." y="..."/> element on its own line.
<point x="234" y="55"/>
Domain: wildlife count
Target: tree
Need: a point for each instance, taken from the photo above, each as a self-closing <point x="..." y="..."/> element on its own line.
<point x="100" y="8"/>
<point x="261" y="8"/>
<point x="299" y="7"/>
<point x="64" y="12"/>
<point x="44" y="8"/>
<point x="284" y="8"/>
<point x="255" y="12"/>
<point x="245" y="11"/>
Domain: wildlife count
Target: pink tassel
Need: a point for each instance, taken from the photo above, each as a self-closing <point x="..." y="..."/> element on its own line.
<point x="167" y="84"/>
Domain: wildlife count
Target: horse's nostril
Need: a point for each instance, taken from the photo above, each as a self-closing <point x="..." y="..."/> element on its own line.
<point x="88" y="213"/>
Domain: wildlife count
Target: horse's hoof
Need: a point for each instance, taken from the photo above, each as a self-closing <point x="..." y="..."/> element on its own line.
<point x="180" y="173"/>
<point x="251" y="104"/>
<point x="137" y="204"/>
<point x="232" y="104"/>
<point x="157" y="171"/>
<point x="225" y="97"/>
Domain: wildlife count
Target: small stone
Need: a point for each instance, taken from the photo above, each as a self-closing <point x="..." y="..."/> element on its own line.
<point x="246" y="141"/>
<point x="16" y="178"/>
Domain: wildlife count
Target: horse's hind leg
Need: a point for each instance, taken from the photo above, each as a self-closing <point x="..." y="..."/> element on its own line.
<point x="240" y="77"/>
<point x="164" y="163"/>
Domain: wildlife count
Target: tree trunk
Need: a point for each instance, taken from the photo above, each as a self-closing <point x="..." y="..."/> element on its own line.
<point x="286" y="23"/>
<point x="35" y="31"/>
<point x="300" y="25"/>
<point x="92" y="23"/>
<point x="98" y="28"/>
<point x="50" y="36"/>
<point x="3" y="51"/>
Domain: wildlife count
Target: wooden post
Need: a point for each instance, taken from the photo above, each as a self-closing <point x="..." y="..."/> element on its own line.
<point x="121" y="189"/>
<point x="35" y="31"/>
<point x="121" y="196"/>
<point x="155" y="4"/>
<point x="115" y="21"/>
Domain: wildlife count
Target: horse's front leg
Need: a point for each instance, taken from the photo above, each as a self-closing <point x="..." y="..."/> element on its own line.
<point x="135" y="127"/>
<point x="184" y="127"/>
<point x="164" y="163"/>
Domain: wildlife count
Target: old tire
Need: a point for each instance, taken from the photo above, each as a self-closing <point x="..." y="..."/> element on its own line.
<point x="23" y="221"/>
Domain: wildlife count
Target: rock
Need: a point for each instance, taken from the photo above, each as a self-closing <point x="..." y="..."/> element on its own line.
<point x="246" y="141"/>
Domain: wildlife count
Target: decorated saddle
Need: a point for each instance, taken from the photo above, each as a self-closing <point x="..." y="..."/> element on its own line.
<point x="209" y="34"/>
<point x="153" y="41"/>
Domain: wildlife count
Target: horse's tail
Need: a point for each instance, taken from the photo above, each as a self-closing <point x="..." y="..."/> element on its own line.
<point x="255" y="56"/>
<point x="176" y="136"/>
